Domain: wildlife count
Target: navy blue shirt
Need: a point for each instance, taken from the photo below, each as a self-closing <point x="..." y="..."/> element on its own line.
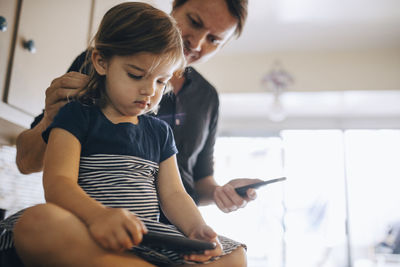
<point x="151" y="139"/>
<point x="193" y="116"/>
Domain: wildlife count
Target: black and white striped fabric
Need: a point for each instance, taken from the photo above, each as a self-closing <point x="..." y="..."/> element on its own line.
<point x="121" y="181"/>
<point x="129" y="182"/>
<point x="6" y="227"/>
<point x="118" y="167"/>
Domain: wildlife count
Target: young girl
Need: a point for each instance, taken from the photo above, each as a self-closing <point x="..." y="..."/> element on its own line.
<point x="109" y="167"/>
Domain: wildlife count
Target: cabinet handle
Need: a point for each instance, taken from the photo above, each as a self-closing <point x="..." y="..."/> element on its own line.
<point x="3" y="24"/>
<point x="30" y="46"/>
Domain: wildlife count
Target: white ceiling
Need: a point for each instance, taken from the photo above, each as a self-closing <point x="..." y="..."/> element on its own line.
<point x="276" y="25"/>
<point x="319" y="25"/>
<point x="281" y="25"/>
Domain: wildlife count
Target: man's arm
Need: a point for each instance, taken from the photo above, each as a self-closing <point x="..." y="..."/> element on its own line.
<point x="205" y="190"/>
<point x="30" y="145"/>
<point x="31" y="148"/>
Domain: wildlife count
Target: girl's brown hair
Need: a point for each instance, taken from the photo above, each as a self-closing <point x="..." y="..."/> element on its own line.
<point x="127" y="29"/>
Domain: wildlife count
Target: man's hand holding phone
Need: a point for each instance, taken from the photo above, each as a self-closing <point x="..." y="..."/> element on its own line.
<point x="228" y="200"/>
<point x="238" y="192"/>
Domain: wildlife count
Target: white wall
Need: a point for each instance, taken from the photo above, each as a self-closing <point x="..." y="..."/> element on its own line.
<point x="312" y="71"/>
<point x="336" y="89"/>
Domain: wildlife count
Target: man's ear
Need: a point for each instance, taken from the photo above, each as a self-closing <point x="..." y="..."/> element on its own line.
<point x="99" y="63"/>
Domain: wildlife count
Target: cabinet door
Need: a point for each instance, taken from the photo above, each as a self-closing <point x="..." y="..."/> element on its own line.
<point x="8" y="9"/>
<point x="59" y="30"/>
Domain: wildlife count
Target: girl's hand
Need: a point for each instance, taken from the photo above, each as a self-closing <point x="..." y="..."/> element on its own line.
<point x="204" y="232"/>
<point x="116" y="229"/>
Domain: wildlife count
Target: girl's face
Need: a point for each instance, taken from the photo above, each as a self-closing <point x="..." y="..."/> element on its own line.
<point x="134" y="84"/>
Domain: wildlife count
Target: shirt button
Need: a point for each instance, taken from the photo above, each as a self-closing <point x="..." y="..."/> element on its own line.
<point x="177" y="122"/>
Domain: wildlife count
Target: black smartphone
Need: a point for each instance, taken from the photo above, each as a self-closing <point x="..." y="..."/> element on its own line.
<point x="179" y="244"/>
<point x="243" y="189"/>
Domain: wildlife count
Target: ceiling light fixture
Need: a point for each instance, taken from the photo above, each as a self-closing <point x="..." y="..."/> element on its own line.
<point x="277" y="80"/>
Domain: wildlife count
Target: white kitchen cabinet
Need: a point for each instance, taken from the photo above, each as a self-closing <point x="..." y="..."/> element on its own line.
<point x="57" y="31"/>
<point x="12" y="121"/>
<point x="8" y="11"/>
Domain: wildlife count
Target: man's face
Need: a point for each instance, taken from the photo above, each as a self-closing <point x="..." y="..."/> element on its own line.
<point x="206" y="25"/>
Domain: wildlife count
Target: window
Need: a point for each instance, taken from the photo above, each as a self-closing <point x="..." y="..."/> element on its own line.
<point x="335" y="179"/>
<point x="259" y="225"/>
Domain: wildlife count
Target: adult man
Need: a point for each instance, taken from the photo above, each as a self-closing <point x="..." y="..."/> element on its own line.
<point x="191" y="111"/>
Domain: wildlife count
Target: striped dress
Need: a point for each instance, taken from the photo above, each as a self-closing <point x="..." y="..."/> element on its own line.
<point x="118" y="167"/>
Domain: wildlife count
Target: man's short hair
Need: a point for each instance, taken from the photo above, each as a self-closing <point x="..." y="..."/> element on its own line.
<point x="237" y="8"/>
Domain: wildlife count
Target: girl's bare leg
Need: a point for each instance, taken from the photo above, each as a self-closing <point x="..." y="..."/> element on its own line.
<point x="236" y="258"/>
<point x="47" y="235"/>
